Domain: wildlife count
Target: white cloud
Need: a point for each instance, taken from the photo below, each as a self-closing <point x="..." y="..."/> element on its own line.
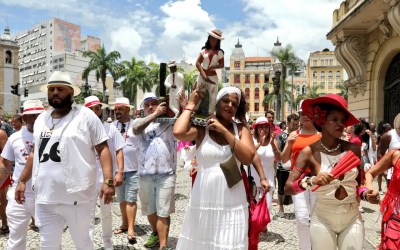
<point x="126" y="40"/>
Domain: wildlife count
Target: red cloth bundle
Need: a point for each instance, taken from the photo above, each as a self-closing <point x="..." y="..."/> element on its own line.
<point x="345" y="164"/>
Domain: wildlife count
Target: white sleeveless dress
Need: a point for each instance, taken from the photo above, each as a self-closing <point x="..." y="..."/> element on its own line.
<point x="217" y="216"/>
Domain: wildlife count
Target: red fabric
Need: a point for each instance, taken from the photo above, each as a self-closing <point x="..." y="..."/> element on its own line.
<point x="258" y="215"/>
<point x="392" y="198"/>
<point x="7" y="182"/>
<point x="356" y="140"/>
<point x="193" y="178"/>
<point x="301" y="142"/>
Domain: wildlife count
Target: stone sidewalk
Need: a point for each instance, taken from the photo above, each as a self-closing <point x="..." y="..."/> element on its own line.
<point x="281" y="231"/>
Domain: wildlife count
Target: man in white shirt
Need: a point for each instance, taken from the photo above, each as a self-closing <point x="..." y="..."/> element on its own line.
<point x="16" y="151"/>
<point x="127" y="192"/>
<point x="63" y="166"/>
<point x="176" y="84"/>
<point x="116" y="143"/>
<point x="156" y="170"/>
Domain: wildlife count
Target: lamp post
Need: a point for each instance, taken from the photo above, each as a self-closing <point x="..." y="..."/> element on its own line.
<point x="86" y="89"/>
<point x="277" y="68"/>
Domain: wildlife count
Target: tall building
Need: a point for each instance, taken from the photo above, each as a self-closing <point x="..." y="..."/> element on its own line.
<point x="325" y="72"/>
<point x="366" y="35"/>
<point x="53" y="45"/>
<point x="8" y="72"/>
<point x="250" y="74"/>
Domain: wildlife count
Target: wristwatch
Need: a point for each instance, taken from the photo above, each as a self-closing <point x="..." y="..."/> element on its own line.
<point x="109" y="182"/>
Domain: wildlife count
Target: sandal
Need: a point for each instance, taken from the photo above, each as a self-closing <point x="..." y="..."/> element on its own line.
<point x="120" y="230"/>
<point x="132" y="239"/>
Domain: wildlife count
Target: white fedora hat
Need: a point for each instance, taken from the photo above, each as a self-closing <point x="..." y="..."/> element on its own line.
<point x="216" y="33"/>
<point x="171" y="63"/>
<point x="32" y="107"/>
<point x="122" y="101"/>
<point x="94" y="100"/>
<point x="148" y="97"/>
<point x="61" y="78"/>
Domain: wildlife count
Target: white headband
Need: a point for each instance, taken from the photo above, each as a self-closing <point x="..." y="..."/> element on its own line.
<point x="229" y="90"/>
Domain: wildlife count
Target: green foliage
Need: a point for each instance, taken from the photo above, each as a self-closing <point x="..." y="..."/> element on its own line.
<point x="102" y="63"/>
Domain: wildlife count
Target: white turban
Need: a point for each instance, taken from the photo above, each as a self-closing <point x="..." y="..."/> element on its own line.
<point x="229" y="90"/>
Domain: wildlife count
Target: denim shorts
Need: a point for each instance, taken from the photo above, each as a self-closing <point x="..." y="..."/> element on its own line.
<point x="157" y="194"/>
<point x="129" y="189"/>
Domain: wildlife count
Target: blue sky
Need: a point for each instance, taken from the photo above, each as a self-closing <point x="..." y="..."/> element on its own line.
<point x="162" y="30"/>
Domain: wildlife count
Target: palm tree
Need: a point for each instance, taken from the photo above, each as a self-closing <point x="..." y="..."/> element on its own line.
<point x="135" y="73"/>
<point x="102" y="63"/>
<point x="343" y="90"/>
<point x="286" y="56"/>
<point x="190" y="79"/>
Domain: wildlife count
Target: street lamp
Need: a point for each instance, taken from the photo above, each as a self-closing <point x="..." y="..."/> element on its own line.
<point x="277" y="69"/>
<point x="106" y="111"/>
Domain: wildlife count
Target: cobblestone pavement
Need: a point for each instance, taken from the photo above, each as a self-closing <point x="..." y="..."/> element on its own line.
<point x="281" y="231"/>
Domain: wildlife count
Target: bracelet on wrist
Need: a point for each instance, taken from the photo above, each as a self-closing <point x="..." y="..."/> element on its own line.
<point x="312" y="180"/>
<point x="22" y="182"/>
<point x="191" y="110"/>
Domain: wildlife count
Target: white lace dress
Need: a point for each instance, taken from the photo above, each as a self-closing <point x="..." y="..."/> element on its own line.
<point x="217" y="216"/>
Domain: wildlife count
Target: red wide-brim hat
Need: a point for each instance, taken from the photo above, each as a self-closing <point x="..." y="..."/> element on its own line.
<point x="334" y="99"/>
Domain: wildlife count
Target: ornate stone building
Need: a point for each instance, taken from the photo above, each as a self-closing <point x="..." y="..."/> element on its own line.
<point x="8" y="72"/>
<point x="366" y="36"/>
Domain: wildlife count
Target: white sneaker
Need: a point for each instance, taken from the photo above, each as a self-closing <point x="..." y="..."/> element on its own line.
<point x="281" y="214"/>
<point x="361" y="209"/>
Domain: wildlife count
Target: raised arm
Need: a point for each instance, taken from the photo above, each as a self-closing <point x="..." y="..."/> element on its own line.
<point x="287" y="150"/>
<point x="141" y="123"/>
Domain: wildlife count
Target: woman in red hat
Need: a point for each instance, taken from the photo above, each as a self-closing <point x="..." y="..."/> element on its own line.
<point x="267" y="154"/>
<point x="303" y="202"/>
<point x="336" y="221"/>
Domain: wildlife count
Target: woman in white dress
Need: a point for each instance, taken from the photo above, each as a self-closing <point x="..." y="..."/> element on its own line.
<point x="267" y="154"/>
<point x="217" y="216"/>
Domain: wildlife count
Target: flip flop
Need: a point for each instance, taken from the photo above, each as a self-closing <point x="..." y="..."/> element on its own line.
<point x="120" y="230"/>
<point x="132" y="239"/>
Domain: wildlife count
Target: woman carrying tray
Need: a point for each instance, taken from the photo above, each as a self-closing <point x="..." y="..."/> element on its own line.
<point x="336" y="221"/>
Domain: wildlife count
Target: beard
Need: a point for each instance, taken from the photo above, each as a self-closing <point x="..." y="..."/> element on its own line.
<point x="67" y="101"/>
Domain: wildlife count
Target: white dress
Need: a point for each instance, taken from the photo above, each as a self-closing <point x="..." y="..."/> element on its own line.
<point x="217" y="216"/>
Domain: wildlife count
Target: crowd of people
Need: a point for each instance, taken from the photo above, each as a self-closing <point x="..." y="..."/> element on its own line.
<point x="57" y="164"/>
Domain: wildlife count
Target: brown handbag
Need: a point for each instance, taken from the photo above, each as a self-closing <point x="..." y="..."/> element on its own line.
<point x="231" y="171"/>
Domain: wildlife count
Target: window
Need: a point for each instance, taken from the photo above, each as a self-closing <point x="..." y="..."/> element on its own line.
<point x="304" y="90"/>
<point x="297" y="90"/>
<point x="330" y="76"/>
<point x="314" y="84"/>
<point x="322" y="85"/>
<point x="247" y="93"/>
<point x="315" y="62"/>
<point x="338" y="75"/>
<point x="256" y="93"/>
<point x="237" y="78"/>
<point x="322" y="62"/>
<point x="257" y="78"/>
<point x="61" y="66"/>
<point x="330" y="62"/>
<point x="237" y="65"/>
<point x="315" y="74"/>
<point x="8" y="57"/>
<point x="247" y="78"/>
<point x="330" y="85"/>
<point x="322" y="75"/>
<point x="256" y="106"/>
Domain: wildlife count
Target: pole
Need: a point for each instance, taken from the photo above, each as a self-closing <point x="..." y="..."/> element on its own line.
<point x="291" y="96"/>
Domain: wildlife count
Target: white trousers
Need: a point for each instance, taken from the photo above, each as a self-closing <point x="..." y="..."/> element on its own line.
<point x="18" y="217"/>
<point x="337" y="227"/>
<point x="106" y="224"/>
<point x="50" y="219"/>
<point x="303" y="207"/>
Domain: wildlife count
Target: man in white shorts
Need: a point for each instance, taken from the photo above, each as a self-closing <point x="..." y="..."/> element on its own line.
<point x="157" y="169"/>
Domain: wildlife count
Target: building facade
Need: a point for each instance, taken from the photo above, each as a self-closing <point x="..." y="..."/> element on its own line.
<point x="366" y="35"/>
<point x="53" y="45"/>
<point x="250" y="74"/>
<point x="325" y="72"/>
<point x="8" y="73"/>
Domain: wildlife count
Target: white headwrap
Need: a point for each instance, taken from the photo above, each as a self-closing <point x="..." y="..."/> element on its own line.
<point x="229" y="90"/>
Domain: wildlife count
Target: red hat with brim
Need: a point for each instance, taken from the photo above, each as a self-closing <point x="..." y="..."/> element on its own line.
<point x="260" y="121"/>
<point x="333" y="99"/>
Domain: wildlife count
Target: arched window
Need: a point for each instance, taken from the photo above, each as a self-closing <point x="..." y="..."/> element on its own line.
<point x="314" y="74"/>
<point x="8" y="57"/>
<point x="256" y="93"/>
<point x="338" y="75"/>
<point x="322" y="75"/>
<point x="297" y="90"/>
<point x="303" y="90"/>
<point x="247" y="93"/>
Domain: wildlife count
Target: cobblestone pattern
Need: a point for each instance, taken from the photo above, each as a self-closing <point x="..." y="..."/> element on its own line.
<point x="281" y="231"/>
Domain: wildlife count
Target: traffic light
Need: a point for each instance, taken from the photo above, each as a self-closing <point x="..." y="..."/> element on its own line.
<point x="15" y="89"/>
<point x="26" y="92"/>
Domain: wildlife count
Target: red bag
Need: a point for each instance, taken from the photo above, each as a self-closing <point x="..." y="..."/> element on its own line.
<point x="258" y="215"/>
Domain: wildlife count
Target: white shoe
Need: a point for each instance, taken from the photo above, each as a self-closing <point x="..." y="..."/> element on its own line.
<point x="361" y="209"/>
<point x="281" y="214"/>
<point x="108" y="245"/>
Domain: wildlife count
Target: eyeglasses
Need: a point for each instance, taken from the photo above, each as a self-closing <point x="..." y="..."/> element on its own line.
<point x="123" y="128"/>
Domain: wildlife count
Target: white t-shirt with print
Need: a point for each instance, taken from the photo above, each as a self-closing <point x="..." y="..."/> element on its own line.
<point x="78" y="132"/>
<point x="17" y="149"/>
<point x="157" y="149"/>
<point x="131" y="150"/>
<point x="115" y="142"/>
